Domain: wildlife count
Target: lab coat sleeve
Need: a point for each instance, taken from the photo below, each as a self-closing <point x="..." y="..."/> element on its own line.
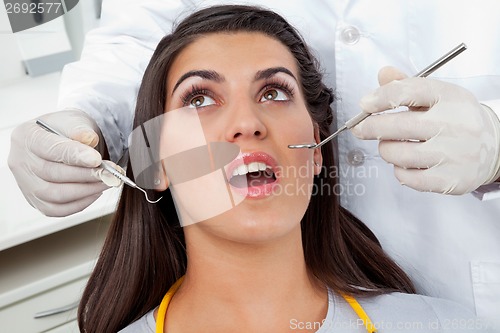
<point x="493" y="105"/>
<point x="491" y="191"/>
<point x="105" y="81"/>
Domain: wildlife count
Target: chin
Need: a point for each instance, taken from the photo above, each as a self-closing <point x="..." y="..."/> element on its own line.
<point x="251" y="225"/>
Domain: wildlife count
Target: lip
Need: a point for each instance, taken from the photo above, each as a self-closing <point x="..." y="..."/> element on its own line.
<point x="253" y="192"/>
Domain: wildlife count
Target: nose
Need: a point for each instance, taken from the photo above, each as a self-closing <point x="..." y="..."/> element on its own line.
<point x="246" y="123"/>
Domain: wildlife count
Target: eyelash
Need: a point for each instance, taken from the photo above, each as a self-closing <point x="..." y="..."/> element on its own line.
<point x="193" y="92"/>
<point x="271" y="84"/>
<point x="281" y="85"/>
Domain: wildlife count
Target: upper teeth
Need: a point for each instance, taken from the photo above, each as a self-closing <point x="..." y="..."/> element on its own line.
<point x="252" y="167"/>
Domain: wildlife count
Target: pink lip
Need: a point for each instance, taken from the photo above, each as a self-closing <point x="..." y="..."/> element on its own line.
<point x="253" y="192"/>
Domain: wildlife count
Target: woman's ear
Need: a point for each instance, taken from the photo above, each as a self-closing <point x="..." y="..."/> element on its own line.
<point x="317" y="156"/>
<point x="160" y="179"/>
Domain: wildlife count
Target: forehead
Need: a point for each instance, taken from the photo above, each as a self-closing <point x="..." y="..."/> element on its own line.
<point x="238" y="52"/>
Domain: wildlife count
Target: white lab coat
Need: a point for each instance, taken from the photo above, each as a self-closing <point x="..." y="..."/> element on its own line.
<point x="450" y="245"/>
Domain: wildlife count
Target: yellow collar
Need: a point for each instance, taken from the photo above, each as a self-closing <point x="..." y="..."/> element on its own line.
<point x="162" y="311"/>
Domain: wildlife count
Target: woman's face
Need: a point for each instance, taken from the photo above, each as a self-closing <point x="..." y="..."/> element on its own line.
<point x="245" y="90"/>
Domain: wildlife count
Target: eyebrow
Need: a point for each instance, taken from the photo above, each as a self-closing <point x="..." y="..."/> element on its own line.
<point x="214" y="76"/>
<point x="204" y="74"/>
<point x="267" y="73"/>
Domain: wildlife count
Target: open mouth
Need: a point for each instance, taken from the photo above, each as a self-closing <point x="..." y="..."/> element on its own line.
<point x="252" y="175"/>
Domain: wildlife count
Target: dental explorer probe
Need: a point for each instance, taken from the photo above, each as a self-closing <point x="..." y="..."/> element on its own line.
<point x="103" y="164"/>
<point x="362" y="116"/>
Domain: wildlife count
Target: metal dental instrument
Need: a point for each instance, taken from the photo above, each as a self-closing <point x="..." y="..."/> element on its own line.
<point x="103" y="164"/>
<point x="362" y="116"/>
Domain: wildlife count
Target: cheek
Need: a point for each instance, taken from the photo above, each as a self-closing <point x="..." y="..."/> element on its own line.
<point x="298" y="130"/>
<point x="299" y="127"/>
<point x="297" y="176"/>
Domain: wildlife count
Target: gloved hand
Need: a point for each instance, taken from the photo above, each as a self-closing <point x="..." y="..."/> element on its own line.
<point x="56" y="174"/>
<point x="458" y="147"/>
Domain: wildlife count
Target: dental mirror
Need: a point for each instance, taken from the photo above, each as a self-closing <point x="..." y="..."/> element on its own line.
<point x="362" y="116"/>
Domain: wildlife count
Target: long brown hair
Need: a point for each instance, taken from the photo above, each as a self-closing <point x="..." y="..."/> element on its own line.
<point x="144" y="252"/>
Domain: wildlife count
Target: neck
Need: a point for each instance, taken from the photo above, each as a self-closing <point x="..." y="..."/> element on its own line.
<point x="254" y="285"/>
<point x="241" y="270"/>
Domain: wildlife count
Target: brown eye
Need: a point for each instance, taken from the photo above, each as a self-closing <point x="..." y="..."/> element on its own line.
<point x="201" y="101"/>
<point x="197" y="101"/>
<point x="274" y="95"/>
<point x="271" y="94"/>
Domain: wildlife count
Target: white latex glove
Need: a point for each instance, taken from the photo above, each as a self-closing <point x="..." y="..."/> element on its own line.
<point x="459" y="139"/>
<point x="56" y="174"/>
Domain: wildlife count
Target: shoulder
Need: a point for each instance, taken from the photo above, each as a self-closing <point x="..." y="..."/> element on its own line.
<point x="410" y="302"/>
<point x="145" y="324"/>
<point x="418" y="313"/>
